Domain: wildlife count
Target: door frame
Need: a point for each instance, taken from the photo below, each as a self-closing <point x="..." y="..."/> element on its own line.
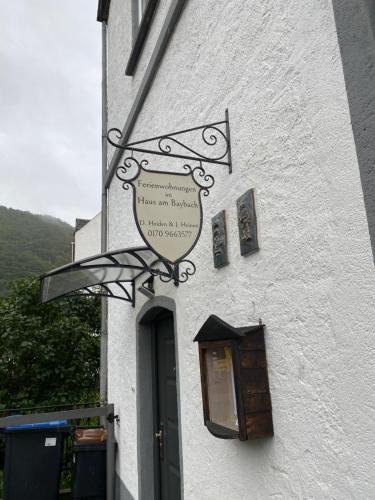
<point x="145" y="395"/>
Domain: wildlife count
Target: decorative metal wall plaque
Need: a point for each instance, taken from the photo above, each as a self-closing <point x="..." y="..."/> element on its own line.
<point x="247" y="223"/>
<point x="219" y="240"/>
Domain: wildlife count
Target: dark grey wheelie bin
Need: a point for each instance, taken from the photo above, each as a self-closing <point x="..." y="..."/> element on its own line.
<point x="89" y="464"/>
<point x="33" y="456"/>
<point x="89" y="472"/>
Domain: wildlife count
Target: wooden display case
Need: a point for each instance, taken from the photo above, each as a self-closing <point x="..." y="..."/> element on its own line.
<point x="235" y="389"/>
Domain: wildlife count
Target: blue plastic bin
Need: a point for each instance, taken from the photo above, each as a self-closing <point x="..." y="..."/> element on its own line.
<point x="33" y="457"/>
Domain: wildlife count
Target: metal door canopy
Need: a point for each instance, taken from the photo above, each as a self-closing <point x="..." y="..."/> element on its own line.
<point x="111" y="274"/>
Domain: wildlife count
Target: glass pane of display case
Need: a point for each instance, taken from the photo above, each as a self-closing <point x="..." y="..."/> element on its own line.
<point x="221" y="390"/>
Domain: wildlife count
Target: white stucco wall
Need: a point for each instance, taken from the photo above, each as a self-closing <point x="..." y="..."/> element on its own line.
<point x="88" y="239"/>
<point x="277" y="67"/>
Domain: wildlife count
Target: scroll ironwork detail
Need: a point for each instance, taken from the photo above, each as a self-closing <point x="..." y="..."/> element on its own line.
<point x="180" y="273"/>
<point x="215" y="143"/>
<point x="204" y="181"/>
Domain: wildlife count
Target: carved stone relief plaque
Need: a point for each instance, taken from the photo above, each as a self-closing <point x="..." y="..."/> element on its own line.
<point x="247" y="223"/>
<point x="219" y="240"/>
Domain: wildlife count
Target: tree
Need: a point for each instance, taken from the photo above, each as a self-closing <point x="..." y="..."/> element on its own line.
<point x="31" y="244"/>
<point x="49" y="354"/>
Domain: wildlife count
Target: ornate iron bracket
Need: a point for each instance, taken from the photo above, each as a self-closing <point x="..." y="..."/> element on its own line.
<point x="131" y="169"/>
<point x="179" y="273"/>
<point x="214" y="135"/>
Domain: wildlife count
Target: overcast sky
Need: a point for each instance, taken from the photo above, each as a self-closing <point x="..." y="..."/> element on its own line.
<point x="50" y="108"/>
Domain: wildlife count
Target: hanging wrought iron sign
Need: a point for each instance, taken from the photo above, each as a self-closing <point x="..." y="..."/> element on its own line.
<point x="167" y="205"/>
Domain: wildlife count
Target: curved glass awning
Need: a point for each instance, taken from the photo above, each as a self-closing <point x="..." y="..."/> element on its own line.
<point x="110" y="274"/>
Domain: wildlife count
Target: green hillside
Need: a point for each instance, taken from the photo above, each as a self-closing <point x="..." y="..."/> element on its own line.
<point x="31" y="244"/>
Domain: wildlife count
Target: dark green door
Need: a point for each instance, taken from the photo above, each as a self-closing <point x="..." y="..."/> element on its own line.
<point x="166" y="422"/>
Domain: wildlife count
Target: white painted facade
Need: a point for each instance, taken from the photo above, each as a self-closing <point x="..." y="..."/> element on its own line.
<point x="87" y="240"/>
<point x="277" y="67"/>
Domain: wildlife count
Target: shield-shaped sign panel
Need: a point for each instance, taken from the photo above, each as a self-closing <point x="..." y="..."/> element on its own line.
<point x="168" y="212"/>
